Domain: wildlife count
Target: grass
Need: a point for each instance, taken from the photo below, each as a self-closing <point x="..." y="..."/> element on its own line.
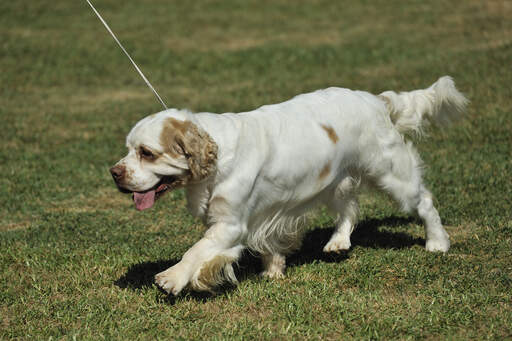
<point x="77" y="260"/>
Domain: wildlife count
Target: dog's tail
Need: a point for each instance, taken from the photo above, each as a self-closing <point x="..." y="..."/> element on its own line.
<point x="440" y="104"/>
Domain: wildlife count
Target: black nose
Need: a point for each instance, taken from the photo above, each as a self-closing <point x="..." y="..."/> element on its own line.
<point x="117" y="172"/>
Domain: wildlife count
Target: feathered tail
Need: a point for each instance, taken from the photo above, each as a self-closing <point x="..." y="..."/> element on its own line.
<point x="440" y="104"/>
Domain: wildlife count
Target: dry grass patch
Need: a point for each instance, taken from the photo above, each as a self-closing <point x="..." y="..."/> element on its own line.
<point x="20" y="225"/>
<point x="97" y="100"/>
<point x="220" y="42"/>
<point x="104" y="199"/>
<point x="83" y="101"/>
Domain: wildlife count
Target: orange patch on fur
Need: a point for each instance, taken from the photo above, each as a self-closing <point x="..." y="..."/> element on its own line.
<point x="168" y="138"/>
<point x="325" y="171"/>
<point x="181" y="126"/>
<point x="213" y="273"/>
<point x="331" y="133"/>
<point x="172" y="132"/>
<point x="184" y="139"/>
<point x="218" y="200"/>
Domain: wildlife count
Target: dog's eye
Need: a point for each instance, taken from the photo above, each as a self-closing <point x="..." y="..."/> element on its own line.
<point x="146" y="153"/>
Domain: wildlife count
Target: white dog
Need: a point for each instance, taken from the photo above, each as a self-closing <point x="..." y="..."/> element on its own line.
<point x="253" y="176"/>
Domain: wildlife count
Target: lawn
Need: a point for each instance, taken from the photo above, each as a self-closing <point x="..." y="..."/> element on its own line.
<point x="77" y="260"/>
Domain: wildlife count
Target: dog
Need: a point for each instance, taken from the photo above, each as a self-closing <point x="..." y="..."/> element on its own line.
<point x="253" y="176"/>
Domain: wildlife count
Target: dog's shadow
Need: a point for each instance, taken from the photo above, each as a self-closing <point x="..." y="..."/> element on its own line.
<point x="367" y="234"/>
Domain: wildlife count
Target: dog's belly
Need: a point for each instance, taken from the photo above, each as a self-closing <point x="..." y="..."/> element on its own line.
<point x="278" y="219"/>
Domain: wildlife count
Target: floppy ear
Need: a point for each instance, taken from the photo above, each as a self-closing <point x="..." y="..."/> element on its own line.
<point x="200" y="151"/>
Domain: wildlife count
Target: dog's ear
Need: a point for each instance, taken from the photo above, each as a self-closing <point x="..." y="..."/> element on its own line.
<point x="184" y="139"/>
<point x="200" y="151"/>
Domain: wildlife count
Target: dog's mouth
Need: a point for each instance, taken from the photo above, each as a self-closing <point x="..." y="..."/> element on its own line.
<point x="146" y="199"/>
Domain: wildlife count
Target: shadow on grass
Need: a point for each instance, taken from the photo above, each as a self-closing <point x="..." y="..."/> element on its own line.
<point x="367" y="234"/>
<point x="142" y="275"/>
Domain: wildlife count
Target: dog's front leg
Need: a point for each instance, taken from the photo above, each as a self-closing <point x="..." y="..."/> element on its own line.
<point x="207" y="263"/>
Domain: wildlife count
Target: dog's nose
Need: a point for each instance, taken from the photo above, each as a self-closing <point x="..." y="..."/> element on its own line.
<point x="117" y="172"/>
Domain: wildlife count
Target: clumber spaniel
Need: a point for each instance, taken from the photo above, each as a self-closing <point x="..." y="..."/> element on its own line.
<point x="253" y="176"/>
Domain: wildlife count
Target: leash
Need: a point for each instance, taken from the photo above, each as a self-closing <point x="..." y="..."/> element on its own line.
<point x="127" y="55"/>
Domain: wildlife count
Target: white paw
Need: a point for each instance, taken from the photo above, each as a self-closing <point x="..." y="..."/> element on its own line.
<point x="437" y="245"/>
<point x="171" y="281"/>
<point x="337" y="245"/>
<point x="276" y="274"/>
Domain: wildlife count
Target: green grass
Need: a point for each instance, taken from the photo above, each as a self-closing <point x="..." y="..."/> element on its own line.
<point x="77" y="260"/>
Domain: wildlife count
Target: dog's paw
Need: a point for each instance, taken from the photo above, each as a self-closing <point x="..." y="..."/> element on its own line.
<point x="337" y="245"/>
<point x="170" y="281"/>
<point x="273" y="273"/>
<point x="437" y="245"/>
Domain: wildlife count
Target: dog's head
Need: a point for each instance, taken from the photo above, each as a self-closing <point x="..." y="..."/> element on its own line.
<point x="165" y="151"/>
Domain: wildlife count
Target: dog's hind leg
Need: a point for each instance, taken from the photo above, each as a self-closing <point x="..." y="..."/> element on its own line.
<point x="273" y="265"/>
<point x="436" y="236"/>
<point x="403" y="180"/>
<point x="344" y="203"/>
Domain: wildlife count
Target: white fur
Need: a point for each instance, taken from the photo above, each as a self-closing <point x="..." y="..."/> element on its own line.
<point x="277" y="162"/>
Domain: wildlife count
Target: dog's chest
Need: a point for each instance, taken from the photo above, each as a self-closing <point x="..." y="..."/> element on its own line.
<point x="198" y="196"/>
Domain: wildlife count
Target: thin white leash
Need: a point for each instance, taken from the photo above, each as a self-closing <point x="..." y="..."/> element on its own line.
<point x="122" y="48"/>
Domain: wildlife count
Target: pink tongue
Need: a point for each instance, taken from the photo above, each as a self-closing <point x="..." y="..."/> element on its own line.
<point x="144" y="200"/>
